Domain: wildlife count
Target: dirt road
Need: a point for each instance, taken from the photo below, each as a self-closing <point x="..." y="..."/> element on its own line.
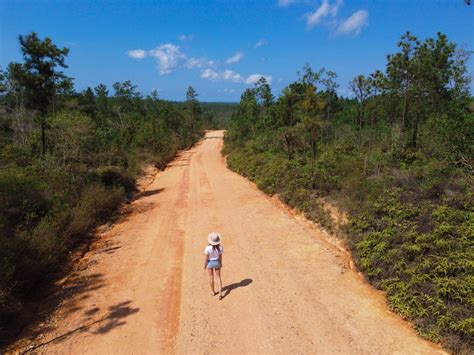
<point x="142" y="288"/>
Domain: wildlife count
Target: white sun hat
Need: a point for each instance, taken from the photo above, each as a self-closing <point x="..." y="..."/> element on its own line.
<point x="214" y="238"/>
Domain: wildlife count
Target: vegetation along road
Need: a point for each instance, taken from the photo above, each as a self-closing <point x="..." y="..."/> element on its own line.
<point x="142" y="289"/>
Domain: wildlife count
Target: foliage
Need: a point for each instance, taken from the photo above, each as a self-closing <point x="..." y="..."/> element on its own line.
<point x="38" y="76"/>
<point x="216" y="115"/>
<point x="398" y="157"/>
<point x="67" y="161"/>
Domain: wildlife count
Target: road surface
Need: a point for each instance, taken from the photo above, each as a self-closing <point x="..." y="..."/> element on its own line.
<point x="142" y="287"/>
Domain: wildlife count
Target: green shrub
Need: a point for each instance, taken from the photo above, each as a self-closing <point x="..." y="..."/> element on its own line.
<point x="116" y="177"/>
<point x="96" y="204"/>
<point x="411" y="225"/>
<point x="22" y="199"/>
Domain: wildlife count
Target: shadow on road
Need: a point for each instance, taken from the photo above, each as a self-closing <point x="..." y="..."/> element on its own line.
<point x="109" y="250"/>
<point x="112" y="319"/>
<point x="147" y="193"/>
<point x="227" y="289"/>
<point x="76" y="287"/>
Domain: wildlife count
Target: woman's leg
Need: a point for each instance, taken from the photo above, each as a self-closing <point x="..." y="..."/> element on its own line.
<point x="218" y="274"/>
<point x="211" y="277"/>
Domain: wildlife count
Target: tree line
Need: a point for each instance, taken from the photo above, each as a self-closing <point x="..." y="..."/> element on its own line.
<point x="68" y="159"/>
<point x="396" y="156"/>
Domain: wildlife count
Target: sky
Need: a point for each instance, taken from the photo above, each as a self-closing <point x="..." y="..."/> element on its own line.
<point x="222" y="47"/>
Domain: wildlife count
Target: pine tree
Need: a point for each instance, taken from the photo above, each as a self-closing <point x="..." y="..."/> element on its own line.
<point x="193" y="107"/>
<point x="39" y="77"/>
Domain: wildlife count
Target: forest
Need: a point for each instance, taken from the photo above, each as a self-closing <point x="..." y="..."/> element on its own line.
<point x="68" y="159"/>
<point x="396" y="157"/>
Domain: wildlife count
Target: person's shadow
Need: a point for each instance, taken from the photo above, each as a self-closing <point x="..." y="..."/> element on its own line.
<point x="227" y="289"/>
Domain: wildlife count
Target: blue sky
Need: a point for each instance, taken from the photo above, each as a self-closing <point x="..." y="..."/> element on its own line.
<point x="222" y="47"/>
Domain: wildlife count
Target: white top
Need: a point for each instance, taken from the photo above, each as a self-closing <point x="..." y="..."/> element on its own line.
<point x="213" y="253"/>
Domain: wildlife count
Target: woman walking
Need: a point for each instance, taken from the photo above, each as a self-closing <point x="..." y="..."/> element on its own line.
<point x="213" y="260"/>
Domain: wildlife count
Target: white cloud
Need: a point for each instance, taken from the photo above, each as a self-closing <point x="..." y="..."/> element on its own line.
<point x="209" y="74"/>
<point x="252" y="79"/>
<point x="284" y="3"/>
<point x="188" y="37"/>
<point x="169" y="56"/>
<point x="315" y="17"/>
<point x="260" y="43"/>
<point x="232" y="76"/>
<point x="136" y="53"/>
<point x="335" y="7"/>
<point x="322" y="11"/>
<point x="229" y="75"/>
<point x="202" y="62"/>
<point x="354" y="24"/>
<point x="237" y="57"/>
<point x="229" y="90"/>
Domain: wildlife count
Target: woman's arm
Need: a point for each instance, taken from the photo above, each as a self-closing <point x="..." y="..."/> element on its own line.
<point x="220" y="259"/>
<point x="205" y="261"/>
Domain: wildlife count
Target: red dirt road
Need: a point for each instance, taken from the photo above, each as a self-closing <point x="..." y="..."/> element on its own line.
<point x="142" y="288"/>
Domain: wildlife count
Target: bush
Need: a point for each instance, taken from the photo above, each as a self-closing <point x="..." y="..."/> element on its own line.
<point x="411" y="229"/>
<point x="116" y="177"/>
<point x="96" y="204"/>
<point x="422" y="256"/>
<point x="22" y="199"/>
<point x="36" y="234"/>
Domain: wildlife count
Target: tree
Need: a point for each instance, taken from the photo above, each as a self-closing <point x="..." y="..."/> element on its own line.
<point x="400" y="73"/>
<point x="127" y="104"/>
<point x="309" y="76"/>
<point x="23" y="122"/>
<point x="102" y="101"/>
<point x="3" y="86"/>
<point x="127" y="97"/>
<point x="264" y="93"/>
<point x="193" y="107"/>
<point x="441" y="77"/>
<point x="329" y="95"/>
<point x="242" y="122"/>
<point x="87" y="102"/>
<point x="39" y="77"/>
<point x="362" y="88"/>
<point x="264" y="97"/>
<point x="312" y="109"/>
<point x="153" y="114"/>
<point x="426" y="76"/>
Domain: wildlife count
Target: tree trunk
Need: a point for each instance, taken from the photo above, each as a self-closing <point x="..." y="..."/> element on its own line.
<point x="43" y="137"/>
<point x="313" y="161"/>
<point x="288" y="145"/>
<point x="361" y="117"/>
<point x="153" y="124"/>
<point x="404" y="112"/>
<point x="414" y="137"/>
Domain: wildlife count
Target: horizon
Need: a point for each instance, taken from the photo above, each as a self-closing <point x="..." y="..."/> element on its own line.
<point x="221" y="49"/>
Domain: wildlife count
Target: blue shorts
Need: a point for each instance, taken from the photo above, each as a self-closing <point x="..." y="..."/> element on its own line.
<point x="213" y="264"/>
